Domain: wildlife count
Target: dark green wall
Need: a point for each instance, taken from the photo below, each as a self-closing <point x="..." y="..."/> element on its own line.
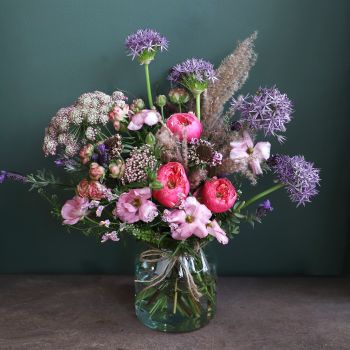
<point x="52" y="51"/>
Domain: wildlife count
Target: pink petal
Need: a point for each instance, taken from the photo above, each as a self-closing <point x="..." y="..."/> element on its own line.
<point x="255" y="166"/>
<point x="262" y="150"/>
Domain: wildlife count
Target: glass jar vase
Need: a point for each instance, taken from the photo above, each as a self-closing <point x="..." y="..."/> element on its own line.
<point x="174" y="293"/>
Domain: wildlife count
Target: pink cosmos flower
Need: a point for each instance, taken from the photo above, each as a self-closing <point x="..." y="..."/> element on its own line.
<point x="176" y="186"/>
<point x="146" y="116"/>
<point x="215" y="230"/>
<point x="74" y="210"/>
<point x="190" y="219"/>
<point x="187" y="124"/>
<point x="219" y="195"/>
<point x="245" y="151"/>
<point x="135" y="205"/>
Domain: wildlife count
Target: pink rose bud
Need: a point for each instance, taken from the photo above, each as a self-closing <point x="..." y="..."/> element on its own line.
<point x="96" y="171"/>
<point x="187" y="124"/>
<point x="117" y="169"/>
<point x="86" y="152"/>
<point x="218" y="195"/>
<point x="175" y="184"/>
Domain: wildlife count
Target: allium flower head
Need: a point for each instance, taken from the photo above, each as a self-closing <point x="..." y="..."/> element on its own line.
<point x="194" y="74"/>
<point x="268" y="110"/>
<point x="144" y="44"/>
<point x="299" y="176"/>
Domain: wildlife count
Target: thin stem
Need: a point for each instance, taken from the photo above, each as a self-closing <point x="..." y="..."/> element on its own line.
<point x="175" y="298"/>
<point x="162" y="112"/>
<point x="198" y="106"/>
<point x="179" y="107"/>
<point x="148" y="86"/>
<point x="261" y="195"/>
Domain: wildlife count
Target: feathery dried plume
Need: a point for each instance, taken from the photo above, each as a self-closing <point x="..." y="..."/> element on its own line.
<point x="232" y="74"/>
<point x="170" y="145"/>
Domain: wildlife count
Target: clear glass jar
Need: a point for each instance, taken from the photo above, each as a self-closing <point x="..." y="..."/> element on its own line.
<point x="175" y="294"/>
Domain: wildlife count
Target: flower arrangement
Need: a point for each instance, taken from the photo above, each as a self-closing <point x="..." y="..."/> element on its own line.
<point x="170" y="173"/>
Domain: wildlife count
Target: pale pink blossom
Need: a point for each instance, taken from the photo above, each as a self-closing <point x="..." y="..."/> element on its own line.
<point x="146" y="116"/>
<point x="113" y="236"/>
<point x="191" y="219"/>
<point x="105" y="223"/>
<point x="215" y="230"/>
<point x="244" y="151"/>
<point x="135" y="205"/>
<point x="74" y="210"/>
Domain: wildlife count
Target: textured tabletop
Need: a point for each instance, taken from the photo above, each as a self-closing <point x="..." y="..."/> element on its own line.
<point x="96" y="312"/>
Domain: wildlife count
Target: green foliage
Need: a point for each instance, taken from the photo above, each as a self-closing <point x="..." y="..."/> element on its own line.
<point x="43" y="179"/>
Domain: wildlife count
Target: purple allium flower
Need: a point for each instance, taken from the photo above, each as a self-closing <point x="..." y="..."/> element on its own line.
<point x="194" y="69"/>
<point x="299" y="176"/>
<point x="264" y="208"/>
<point x="268" y="110"/>
<point x="145" y="40"/>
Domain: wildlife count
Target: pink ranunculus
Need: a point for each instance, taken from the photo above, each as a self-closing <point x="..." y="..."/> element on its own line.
<point x="86" y="152"/>
<point x="91" y="189"/>
<point x="96" y="171"/>
<point x="176" y="186"/>
<point x="146" y="116"/>
<point x="219" y="195"/>
<point x="190" y="219"/>
<point x="244" y="151"/>
<point x="74" y="210"/>
<point x="135" y="205"/>
<point x="186" y="124"/>
<point x="215" y="230"/>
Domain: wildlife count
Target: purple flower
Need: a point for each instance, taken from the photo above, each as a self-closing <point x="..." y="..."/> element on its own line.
<point x="145" y="41"/>
<point x="264" y="208"/>
<point x="113" y="236"/>
<point x="192" y="69"/>
<point x="268" y="110"/>
<point x="299" y="176"/>
<point x="13" y="176"/>
<point x="101" y="157"/>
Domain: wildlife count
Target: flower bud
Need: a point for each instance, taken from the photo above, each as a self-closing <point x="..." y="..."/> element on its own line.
<point x="178" y="96"/>
<point x="96" y="171"/>
<point x="161" y="100"/>
<point x="86" y="152"/>
<point x="150" y="139"/>
<point x="117" y="169"/>
<point x="137" y="105"/>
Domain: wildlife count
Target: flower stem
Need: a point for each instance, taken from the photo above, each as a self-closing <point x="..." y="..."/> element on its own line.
<point x="261" y="195"/>
<point x="175" y="298"/>
<point x="198" y="106"/>
<point x="148" y="86"/>
<point x="162" y="112"/>
<point x="179" y="107"/>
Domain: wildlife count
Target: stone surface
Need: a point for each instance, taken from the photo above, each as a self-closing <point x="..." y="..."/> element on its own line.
<point x="96" y="312"/>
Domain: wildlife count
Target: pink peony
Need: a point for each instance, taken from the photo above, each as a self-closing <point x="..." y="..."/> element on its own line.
<point x="215" y="230"/>
<point x="96" y="171"/>
<point x="91" y="189"/>
<point x="191" y="219"/>
<point x="219" y="195"/>
<point x="245" y="151"/>
<point x="135" y="205"/>
<point x="187" y="124"/>
<point x="74" y="210"/>
<point x="176" y="186"/>
<point x="146" y="116"/>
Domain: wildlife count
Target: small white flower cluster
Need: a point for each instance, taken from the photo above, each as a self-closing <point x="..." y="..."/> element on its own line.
<point x="91" y="111"/>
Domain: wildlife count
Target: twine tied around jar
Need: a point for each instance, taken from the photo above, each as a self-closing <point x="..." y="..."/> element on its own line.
<point x="156" y="255"/>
